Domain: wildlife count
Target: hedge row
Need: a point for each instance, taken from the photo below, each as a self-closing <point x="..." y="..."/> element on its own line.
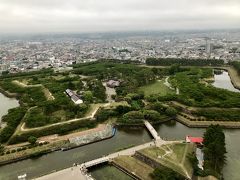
<point x="59" y="129"/>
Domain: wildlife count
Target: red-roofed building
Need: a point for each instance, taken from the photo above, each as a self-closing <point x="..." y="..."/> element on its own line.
<point x="197" y="140"/>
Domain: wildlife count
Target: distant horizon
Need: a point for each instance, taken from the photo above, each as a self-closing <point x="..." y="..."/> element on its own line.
<point x="121" y="32"/>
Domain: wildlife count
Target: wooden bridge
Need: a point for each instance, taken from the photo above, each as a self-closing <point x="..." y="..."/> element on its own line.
<point x="95" y="162"/>
<point x="152" y="131"/>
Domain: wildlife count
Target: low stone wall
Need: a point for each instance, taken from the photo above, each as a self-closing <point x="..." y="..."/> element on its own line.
<point x="92" y="137"/>
<point x="126" y="171"/>
<point x="149" y="161"/>
<point x="205" y="124"/>
<point x="142" y="124"/>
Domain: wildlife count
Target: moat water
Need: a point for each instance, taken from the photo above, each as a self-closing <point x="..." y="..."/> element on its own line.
<point x="223" y="81"/>
<point x="6" y="104"/>
<point x="124" y="137"/>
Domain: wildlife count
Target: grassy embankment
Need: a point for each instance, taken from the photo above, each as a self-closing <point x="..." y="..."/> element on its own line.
<point x="134" y="166"/>
<point x="172" y="156"/>
<point x="158" y="87"/>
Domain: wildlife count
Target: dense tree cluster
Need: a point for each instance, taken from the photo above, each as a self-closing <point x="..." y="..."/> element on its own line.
<point x="120" y="110"/>
<point x="183" y="62"/>
<point x="13" y="118"/>
<point x="214" y="150"/>
<point x="220" y="114"/>
<point x="195" y="93"/>
<point x="104" y="114"/>
<point x="133" y="117"/>
<point x="47" y="112"/>
<point x="97" y="89"/>
<point x="21" y="74"/>
<point x="132" y="76"/>
<point x="236" y="65"/>
<point x="137" y="117"/>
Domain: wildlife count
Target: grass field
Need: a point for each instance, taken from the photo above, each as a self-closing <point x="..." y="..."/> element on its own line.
<point x="135" y="166"/>
<point x="172" y="156"/>
<point x="158" y="87"/>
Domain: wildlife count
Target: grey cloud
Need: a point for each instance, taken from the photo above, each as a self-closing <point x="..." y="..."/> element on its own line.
<point x="107" y="15"/>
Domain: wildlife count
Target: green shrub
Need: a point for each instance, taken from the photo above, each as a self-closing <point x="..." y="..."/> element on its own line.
<point x="8" y="152"/>
<point x="170" y="111"/>
<point x="19" y="149"/>
<point x="151" y="115"/>
<point x="104" y="114"/>
<point x="13" y="150"/>
<point x="32" y="140"/>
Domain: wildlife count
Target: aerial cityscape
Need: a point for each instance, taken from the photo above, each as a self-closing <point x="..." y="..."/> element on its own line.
<point x="119" y="90"/>
<point x="58" y="52"/>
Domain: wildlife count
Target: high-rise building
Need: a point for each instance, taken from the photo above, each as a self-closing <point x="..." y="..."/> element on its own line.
<point x="209" y="47"/>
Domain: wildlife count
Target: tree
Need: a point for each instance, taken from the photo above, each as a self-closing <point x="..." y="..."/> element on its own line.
<point x="32" y="140"/>
<point x="236" y="65"/>
<point x="103" y="114"/>
<point x="133" y="117"/>
<point x="35" y="78"/>
<point x="88" y="96"/>
<point x="70" y="85"/>
<point x="174" y="68"/>
<point x="121" y="109"/>
<point x="214" y="149"/>
<point x="170" y="111"/>
<point x="151" y="115"/>
<point x="5" y="72"/>
<point x="1" y="148"/>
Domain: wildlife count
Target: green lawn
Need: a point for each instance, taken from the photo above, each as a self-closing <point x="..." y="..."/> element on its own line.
<point x="158" y="87"/>
<point x="172" y="156"/>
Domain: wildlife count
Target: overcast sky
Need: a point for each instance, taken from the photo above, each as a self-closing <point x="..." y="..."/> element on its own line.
<point x="116" y="15"/>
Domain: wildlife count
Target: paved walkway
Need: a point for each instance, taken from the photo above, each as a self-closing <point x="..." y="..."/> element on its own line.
<point x="72" y="173"/>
